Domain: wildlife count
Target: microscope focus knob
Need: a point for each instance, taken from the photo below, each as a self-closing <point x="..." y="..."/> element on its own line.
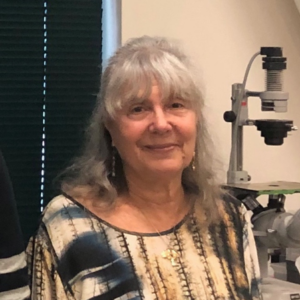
<point x="229" y="116"/>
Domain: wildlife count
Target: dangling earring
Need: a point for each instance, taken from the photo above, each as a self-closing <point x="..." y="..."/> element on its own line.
<point x="113" y="163"/>
<point x="193" y="164"/>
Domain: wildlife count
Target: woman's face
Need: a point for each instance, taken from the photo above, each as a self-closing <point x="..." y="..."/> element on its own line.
<point x="153" y="136"/>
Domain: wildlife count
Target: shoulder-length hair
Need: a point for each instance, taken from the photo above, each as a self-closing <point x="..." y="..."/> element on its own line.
<point x="133" y="67"/>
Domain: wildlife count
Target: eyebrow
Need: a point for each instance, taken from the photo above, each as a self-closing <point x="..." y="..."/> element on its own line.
<point x="135" y="100"/>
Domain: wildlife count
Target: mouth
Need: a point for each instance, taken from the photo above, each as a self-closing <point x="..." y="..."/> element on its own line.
<point x="161" y="147"/>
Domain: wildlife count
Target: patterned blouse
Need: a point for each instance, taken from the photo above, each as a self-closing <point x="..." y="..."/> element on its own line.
<point x="76" y="255"/>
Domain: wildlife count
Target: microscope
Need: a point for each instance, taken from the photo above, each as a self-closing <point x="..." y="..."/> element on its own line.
<point x="273" y="227"/>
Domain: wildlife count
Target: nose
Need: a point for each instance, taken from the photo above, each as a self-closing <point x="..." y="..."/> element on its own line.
<point x="160" y="122"/>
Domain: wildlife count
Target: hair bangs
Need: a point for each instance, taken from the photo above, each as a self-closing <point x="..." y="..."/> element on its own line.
<point x="129" y="83"/>
<point x="173" y="78"/>
<point x="134" y="80"/>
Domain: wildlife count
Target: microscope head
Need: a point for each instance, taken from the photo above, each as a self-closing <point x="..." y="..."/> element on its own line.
<point x="273" y="98"/>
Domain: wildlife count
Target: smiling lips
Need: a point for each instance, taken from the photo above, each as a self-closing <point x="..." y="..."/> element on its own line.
<point x="161" y="147"/>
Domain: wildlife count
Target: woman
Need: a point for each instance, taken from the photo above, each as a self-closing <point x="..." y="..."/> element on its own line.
<point x="141" y="216"/>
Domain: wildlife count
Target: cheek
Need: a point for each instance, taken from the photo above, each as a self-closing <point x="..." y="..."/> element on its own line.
<point x="190" y="135"/>
<point x="189" y="130"/>
<point x="126" y="138"/>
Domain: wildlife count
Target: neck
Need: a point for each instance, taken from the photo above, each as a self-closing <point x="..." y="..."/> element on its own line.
<point x="162" y="201"/>
<point x="156" y="190"/>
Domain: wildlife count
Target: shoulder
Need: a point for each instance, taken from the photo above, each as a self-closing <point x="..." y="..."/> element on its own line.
<point x="65" y="222"/>
<point x="61" y="221"/>
<point x="232" y="203"/>
<point x="59" y="209"/>
<point x="58" y="203"/>
<point x="232" y="211"/>
<point x="228" y="199"/>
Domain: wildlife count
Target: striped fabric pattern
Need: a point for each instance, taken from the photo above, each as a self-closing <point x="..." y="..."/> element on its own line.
<point x="13" y="267"/>
<point x="13" y="278"/>
<point x="76" y="255"/>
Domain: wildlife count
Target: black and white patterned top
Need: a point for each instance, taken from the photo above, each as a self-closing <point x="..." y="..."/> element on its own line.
<point x="13" y="267"/>
<point x="76" y="255"/>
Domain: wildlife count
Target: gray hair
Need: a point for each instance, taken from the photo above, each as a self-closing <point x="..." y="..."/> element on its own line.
<point x="133" y="67"/>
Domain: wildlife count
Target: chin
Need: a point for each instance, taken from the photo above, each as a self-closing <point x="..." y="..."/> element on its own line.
<point x="166" y="169"/>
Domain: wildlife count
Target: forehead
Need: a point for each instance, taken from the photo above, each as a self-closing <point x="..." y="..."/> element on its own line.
<point x="146" y="94"/>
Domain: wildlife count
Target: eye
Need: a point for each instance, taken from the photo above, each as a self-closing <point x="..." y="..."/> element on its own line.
<point x="137" y="109"/>
<point x="177" y="105"/>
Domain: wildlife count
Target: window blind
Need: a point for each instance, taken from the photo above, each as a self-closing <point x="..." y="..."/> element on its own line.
<point x="50" y="57"/>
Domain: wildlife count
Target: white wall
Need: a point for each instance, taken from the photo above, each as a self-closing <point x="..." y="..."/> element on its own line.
<point x="221" y="36"/>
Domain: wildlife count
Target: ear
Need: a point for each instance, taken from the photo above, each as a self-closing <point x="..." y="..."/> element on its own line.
<point x="108" y="125"/>
<point x="108" y="131"/>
